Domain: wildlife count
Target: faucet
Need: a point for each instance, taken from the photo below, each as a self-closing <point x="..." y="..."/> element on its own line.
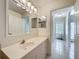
<point x="22" y="42"/>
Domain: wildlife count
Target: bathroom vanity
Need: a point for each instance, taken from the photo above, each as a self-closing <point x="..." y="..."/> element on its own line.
<point x="20" y="23"/>
<point x="35" y="48"/>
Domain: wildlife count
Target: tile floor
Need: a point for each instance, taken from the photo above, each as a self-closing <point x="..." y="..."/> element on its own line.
<point x="59" y="50"/>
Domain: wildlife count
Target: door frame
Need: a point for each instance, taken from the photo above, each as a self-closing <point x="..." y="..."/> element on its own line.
<point x="51" y="27"/>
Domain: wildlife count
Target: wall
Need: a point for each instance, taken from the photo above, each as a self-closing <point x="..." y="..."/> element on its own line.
<point x="77" y="28"/>
<point x="6" y="40"/>
<point x="2" y="21"/>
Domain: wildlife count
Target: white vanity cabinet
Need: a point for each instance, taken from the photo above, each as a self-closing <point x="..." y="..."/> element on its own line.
<point x="39" y="52"/>
<point x="30" y="55"/>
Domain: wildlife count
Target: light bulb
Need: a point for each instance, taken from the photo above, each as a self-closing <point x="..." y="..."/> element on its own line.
<point x="29" y="4"/>
<point x="19" y="5"/>
<point x="35" y="9"/>
<point x="32" y="7"/>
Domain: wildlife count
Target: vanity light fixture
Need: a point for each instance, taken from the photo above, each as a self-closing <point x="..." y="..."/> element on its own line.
<point x="26" y="5"/>
<point x="29" y="4"/>
<point x="18" y="5"/>
<point x="35" y="10"/>
<point x="32" y="7"/>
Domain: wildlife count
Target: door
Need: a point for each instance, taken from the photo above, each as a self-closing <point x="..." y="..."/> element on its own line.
<point x="61" y="38"/>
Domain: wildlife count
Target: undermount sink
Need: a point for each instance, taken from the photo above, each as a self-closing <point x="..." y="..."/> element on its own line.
<point x="27" y="44"/>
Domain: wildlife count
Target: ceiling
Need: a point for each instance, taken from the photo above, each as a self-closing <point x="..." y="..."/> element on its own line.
<point x="45" y="6"/>
<point x="40" y="3"/>
<point x="43" y="3"/>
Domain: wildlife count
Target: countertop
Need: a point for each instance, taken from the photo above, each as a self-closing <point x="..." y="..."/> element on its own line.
<point x="17" y="51"/>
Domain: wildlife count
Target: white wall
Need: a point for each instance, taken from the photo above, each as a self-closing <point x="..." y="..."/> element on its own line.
<point x="2" y="19"/>
<point x="77" y="34"/>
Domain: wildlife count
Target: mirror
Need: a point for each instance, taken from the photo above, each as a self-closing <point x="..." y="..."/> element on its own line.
<point x="18" y="20"/>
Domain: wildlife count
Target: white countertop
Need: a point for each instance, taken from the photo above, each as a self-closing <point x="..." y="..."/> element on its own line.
<point x="16" y="51"/>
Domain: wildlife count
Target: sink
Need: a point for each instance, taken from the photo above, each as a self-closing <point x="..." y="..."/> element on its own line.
<point x="27" y="44"/>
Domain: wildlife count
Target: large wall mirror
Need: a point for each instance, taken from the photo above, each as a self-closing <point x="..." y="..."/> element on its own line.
<point x="18" y="20"/>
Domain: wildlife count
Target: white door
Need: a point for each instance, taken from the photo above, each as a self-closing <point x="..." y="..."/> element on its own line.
<point x="61" y="48"/>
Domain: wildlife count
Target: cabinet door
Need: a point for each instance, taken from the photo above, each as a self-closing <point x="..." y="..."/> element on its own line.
<point x="38" y="53"/>
<point x="41" y="51"/>
<point x="30" y="55"/>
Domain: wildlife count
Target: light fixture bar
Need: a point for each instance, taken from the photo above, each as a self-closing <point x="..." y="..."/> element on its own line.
<point x="26" y="5"/>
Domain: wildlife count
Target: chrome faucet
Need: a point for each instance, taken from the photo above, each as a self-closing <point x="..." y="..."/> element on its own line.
<point x="22" y="42"/>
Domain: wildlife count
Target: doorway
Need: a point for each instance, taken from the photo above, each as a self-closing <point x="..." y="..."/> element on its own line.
<point x="63" y="32"/>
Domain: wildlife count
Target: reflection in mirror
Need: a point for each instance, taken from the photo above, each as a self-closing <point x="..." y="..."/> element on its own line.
<point x="34" y="22"/>
<point x="18" y="21"/>
<point x="42" y="22"/>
